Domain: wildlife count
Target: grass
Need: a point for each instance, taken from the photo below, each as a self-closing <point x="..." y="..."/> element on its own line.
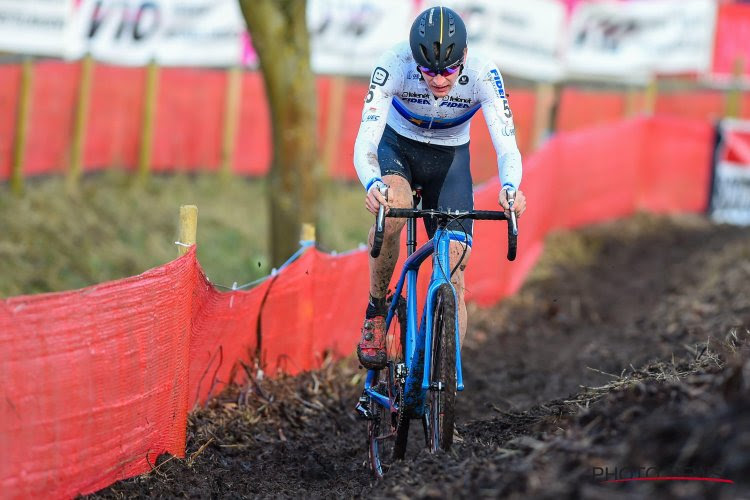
<point x="54" y="239"/>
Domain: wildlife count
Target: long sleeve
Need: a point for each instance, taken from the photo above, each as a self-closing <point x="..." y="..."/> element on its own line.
<point x="499" y="118"/>
<point x="385" y="81"/>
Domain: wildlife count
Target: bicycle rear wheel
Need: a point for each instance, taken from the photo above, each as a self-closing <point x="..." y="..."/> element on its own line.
<point x="441" y="397"/>
<point x="387" y="431"/>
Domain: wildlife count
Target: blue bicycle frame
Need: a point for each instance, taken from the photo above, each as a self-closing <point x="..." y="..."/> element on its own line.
<point x="418" y="340"/>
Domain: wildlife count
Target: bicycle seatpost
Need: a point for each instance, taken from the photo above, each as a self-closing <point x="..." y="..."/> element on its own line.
<point x="377" y="242"/>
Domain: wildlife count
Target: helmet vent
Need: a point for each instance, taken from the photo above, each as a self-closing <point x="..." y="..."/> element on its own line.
<point x="436" y="51"/>
<point x="449" y="51"/>
<point x="451" y="25"/>
<point x="424" y="52"/>
<point x="422" y="23"/>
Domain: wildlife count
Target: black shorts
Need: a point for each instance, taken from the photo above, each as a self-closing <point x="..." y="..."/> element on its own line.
<point x="442" y="171"/>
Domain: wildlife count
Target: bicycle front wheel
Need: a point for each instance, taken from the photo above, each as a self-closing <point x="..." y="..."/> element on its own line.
<point x="441" y="396"/>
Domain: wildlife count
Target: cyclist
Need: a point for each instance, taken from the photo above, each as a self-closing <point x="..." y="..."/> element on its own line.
<point x="415" y="131"/>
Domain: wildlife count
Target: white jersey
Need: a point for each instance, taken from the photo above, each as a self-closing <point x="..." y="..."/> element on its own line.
<point x="399" y="96"/>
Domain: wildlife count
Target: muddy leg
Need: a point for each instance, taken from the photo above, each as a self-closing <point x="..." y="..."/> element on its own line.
<point x="381" y="269"/>
<point x="457" y="250"/>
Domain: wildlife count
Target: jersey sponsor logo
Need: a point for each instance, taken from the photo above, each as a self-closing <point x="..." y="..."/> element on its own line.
<point x="416" y="101"/>
<point x="379" y="76"/>
<point x="494" y="75"/>
<point x="370" y="118"/>
<point x="463" y="80"/>
<point x="508" y="131"/>
<point x="414" y="76"/>
<point x="415" y="97"/>
<point x="450" y="101"/>
<point x="452" y="98"/>
<point x="453" y="104"/>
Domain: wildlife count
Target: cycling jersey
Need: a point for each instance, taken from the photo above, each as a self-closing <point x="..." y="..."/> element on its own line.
<point x="399" y="96"/>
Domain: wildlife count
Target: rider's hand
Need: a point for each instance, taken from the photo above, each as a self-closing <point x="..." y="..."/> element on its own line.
<point x="519" y="206"/>
<point x="375" y="198"/>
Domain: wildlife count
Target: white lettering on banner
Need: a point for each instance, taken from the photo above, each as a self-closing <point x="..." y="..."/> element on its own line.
<point x="33" y="26"/>
<point x="632" y="40"/>
<point x="523" y="38"/>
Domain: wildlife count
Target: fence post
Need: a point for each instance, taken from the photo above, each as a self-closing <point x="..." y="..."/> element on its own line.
<point x="332" y="141"/>
<point x="733" y="96"/>
<point x="188" y="228"/>
<point x="308" y="232"/>
<point x="22" y="126"/>
<point x="231" y="118"/>
<point x="545" y="99"/>
<point x="652" y="94"/>
<point x="631" y="101"/>
<point x="149" y="116"/>
<point x="79" y="127"/>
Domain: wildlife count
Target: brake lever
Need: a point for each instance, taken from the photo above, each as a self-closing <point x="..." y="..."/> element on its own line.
<point x="510" y="194"/>
<point x="380" y="221"/>
<point x="377" y="242"/>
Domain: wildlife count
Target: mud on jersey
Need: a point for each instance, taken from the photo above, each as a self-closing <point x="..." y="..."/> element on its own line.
<point x="399" y="96"/>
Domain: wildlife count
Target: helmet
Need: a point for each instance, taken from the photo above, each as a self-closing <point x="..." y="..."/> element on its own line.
<point x="437" y="38"/>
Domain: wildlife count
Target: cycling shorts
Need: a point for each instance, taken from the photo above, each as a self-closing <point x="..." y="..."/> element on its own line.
<point x="442" y="171"/>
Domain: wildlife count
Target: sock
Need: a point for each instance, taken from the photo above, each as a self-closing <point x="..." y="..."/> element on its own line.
<point x="375" y="307"/>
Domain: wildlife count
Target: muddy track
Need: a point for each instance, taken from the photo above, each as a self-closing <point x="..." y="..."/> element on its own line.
<point x="627" y="350"/>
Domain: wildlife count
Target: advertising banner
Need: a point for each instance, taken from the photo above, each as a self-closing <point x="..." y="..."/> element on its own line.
<point x="347" y="37"/>
<point x="631" y="40"/>
<point x="730" y="195"/>
<point x="171" y="32"/>
<point x="524" y="38"/>
<point x="33" y="26"/>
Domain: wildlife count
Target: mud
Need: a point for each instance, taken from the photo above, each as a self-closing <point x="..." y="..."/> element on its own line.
<point x="625" y="355"/>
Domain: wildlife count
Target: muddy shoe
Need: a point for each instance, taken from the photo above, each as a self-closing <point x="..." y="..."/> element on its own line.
<point x="371" y="349"/>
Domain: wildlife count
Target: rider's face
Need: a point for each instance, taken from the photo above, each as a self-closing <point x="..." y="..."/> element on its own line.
<point x="441" y="85"/>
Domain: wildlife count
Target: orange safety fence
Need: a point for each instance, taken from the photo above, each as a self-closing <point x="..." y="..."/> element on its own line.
<point x="97" y="382"/>
<point x="190" y="118"/>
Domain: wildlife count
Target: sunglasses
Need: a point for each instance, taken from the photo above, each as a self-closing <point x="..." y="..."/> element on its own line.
<point x="450" y="70"/>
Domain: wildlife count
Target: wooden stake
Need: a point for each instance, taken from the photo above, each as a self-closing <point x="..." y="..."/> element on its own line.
<point x="149" y="116"/>
<point x="332" y="141"/>
<point x="79" y="126"/>
<point x="308" y="232"/>
<point x="545" y="98"/>
<point x="652" y="94"/>
<point x="231" y="118"/>
<point x="631" y="96"/>
<point x="22" y="126"/>
<point x="188" y="228"/>
<point x="733" y="96"/>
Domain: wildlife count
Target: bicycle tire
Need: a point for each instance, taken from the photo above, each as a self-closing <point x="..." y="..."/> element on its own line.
<point x="380" y="430"/>
<point x="387" y="431"/>
<point x="441" y="396"/>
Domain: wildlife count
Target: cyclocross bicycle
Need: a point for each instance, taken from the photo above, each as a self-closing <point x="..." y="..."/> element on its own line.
<point x="423" y="371"/>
